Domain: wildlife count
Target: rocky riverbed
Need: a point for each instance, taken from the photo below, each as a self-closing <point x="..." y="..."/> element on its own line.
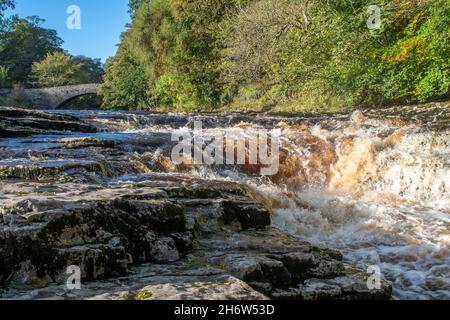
<point x="173" y="237"/>
<point x="98" y="190"/>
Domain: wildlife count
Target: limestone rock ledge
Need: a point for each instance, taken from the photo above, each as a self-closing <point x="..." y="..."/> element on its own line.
<point x="170" y="237"/>
<point x="15" y="122"/>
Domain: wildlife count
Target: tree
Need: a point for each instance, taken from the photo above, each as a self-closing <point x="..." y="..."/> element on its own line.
<point x="92" y="67"/>
<point x="5" y="4"/>
<point x="125" y="81"/>
<point x="58" y="69"/>
<point x="209" y="54"/>
<point x="322" y="53"/>
<point x="175" y="47"/>
<point x="23" y="42"/>
<point x="257" y="32"/>
<point x="199" y="48"/>
<point x="143" y="56"/>
<point x="134" y="6"/>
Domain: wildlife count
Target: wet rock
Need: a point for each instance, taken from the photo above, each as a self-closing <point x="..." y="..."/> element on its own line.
<point x="25" y="274"/>
<point x="311" y="265"/>
<point x="89" y="142"/>
<point x="250" y="216"/>
<point x="215" y="288"/>
<point x="350" y="287"/>
<point x="95" y="261"/>
<point x="105" y="205"/>
<point x="252" y="268"/>
<point x="16" y="122"/>
<point x="156" y="282"/>
<point x="33" y="172"/>
<point x="357" y="117"/>
<point x="213" y="239"/>
<point x="83" y="237"/>
<point x="276" y="274"/>
<point x="164" y="250"/>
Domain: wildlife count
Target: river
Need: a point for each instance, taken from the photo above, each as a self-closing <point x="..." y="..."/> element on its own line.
<point x="375" y="186"/>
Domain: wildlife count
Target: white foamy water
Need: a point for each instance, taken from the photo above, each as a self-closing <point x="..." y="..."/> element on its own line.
<point x="379" y="194"/>
<point x="411" y="245"/>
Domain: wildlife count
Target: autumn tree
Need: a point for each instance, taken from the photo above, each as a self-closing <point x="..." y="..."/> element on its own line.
<point x="58" y="69"/>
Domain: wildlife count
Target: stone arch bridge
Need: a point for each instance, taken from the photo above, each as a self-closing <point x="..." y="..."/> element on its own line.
<point x="52" y="98"/>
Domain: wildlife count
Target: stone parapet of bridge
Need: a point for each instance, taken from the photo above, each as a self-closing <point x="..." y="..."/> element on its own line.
<point x="53" y="98"/>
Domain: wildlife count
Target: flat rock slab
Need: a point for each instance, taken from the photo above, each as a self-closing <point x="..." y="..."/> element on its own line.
<point x="15" y="122"/>
<point x="152" y="282"/>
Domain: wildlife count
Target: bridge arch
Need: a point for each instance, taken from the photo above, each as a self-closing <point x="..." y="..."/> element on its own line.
<point x="65" y="103"/>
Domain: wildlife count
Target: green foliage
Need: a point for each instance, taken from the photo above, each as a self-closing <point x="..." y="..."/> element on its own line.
<point x="143" y="295"/>
<point x="23" y="42"/>
<point x="334" y="59"/>
<point x="131" y="76"/>
<point x="5" y="4"/>
<point x="134" y="6"/>
<point x="125" y="82"/>
<point x="4" y="79"/>
<point x="92" y="67"/>
<point x="199" y="49"/>
<point x="418" y="62"/>
<point x="169" y="57"/>
<point x="16" y="98"/>
<point x="282" y="54"/>
<point x="58" y="69"/>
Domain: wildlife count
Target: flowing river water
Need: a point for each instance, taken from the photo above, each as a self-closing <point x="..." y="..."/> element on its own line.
<point x="373" y="185"/>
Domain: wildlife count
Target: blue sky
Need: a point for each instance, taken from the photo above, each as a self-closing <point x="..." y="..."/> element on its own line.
<point x="102" y="22"/>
